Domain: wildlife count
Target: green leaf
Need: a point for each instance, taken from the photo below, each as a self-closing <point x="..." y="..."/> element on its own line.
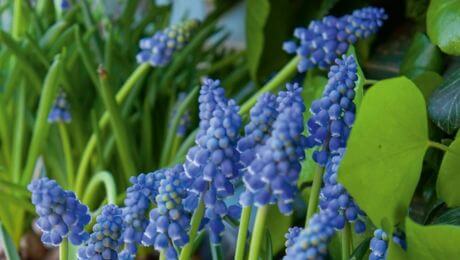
<point x="443" y="25"/>
<point x="361" y="250"/>
<point x="257" y="12"/>
<point x="427" y="82"/>
<point x="449" y="177"/>
<point x="385" y="150"/>
<point x="444" y="105"/>
<point x="432" y="242"/>
<point x="277" y="230"/>
<point x="451" y="217"/>
<point x="421" y="56"/>
<point x="8" y="245"/>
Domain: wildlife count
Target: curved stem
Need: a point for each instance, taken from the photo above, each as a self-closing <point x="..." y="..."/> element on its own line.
<point x="258" y="233"/>
<point x="314" y="193"/>
<point x="121" y="95"/>
<point x="346" y="238"/>
<point x="439" y="146"/>
<point x="67" y="153"/>
<point x="282" y="77"/>
<point x="162" y="255"/>
<point x="110" y="187"/>
<point x="242" y="233"/>
<point x="370" y="81"/>
<point x="194" y="225"/>
<point x="64" y="250"/>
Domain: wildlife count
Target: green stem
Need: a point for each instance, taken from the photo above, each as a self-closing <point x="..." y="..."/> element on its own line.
<point x="136" y="76"/>
<point x="242" y="233"/>
<point x="162" y="255"/>
<point x="175" y="145"/>
<point x="439" y="146"/>
<point x="18" y="19"/>
<point x="64" y="250"/>
<point x="258" y="233"/>
<point x="314" y="193"/>
<point x="282" y="77"/>
<point x="67" y="153"/>
<point x="105" y="178"/>
<point x="19" y="131"/>
<point x="216" y="251"/>
<point x="120" y="131"/>
<point x="194" y="225"/>
<point x="370" y="81"/>
<point x="346" y="236"/>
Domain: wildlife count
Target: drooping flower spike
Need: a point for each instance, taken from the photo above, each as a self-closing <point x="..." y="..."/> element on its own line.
<point x="272" y="176"/>
<point x="61" y="214"/>
<point x="325" y="40"/>
<point x="379" y="244"/>
<point x="60" y="112"/>
<point x="159" y="49"/>
<point x="169" y="222"/>
<point x="311" y="242"/>
<point x="106" y="239"/>
<point x="139" y="197"/>
<point x="213" y="164"/>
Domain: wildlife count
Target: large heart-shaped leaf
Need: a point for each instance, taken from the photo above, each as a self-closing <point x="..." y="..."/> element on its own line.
<point x="432" y="242"/>
<point x="385" y="151"/>
<point x="444" y="104"/>
<point x="443" y="25"/>
<point x="449" y="175"/>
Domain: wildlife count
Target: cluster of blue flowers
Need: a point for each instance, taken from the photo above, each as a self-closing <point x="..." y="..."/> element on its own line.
<point x="325" y="40"/>
<point x="169" y="222"/>
<point x="311" y="242"/>
<point x="60" y="112"/>
<point x="213" y="164"/>
<point x="159" y="49"/>
<point x="106" y="239"/>
<point x="379" y="243"/>
<point x="271" y="177"/>
<point x="60" y="213"/>
<point x="292" y="235"/>
<point x="334" y="197"/>
<point x="139" y="196"/>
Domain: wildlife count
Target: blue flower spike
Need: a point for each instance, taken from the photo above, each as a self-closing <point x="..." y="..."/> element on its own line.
<point x="213" y="164"/>
<point x="139" y="197"/>
<point x="61" y="214"/>
<point x="159" y="49"/>
<point x="60" y="112"/>
<point x="379" y="243"/>
<point x="325" y="40"/>
<point x="106" y="239"/>
<point x="169" y="222"/>
<point x="271" y="178"/>
<point x="292" y="235"/>
<point x="311" y="243"/>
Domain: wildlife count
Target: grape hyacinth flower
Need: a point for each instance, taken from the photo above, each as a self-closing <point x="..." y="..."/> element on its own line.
<point x="61" y="214"/>
<point x="292" y="235"/>
<point x="213" y="164"/>
<point x="334" y="113"/>
<point x="60" y="112"/>
<point x="139" y="196"/>
<point x="379" y="244"/>
<point x="169" y="222"/>
<point x="159" y="49"/>
<point x="335" y="198"/>
<point x="106" y="239"/>
<point x="311" y="243"/>
<point x="272" y="176"/>
<point x="325" y="40"/>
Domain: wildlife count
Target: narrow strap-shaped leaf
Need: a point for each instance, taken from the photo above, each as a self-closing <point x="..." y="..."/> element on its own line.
<point x="8" y="245"/>
<point x="107" y="180"/>
<point x="19" y="134"/>
<point x="41" y="125"/>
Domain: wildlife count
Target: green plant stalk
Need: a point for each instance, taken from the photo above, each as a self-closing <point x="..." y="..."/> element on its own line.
<point x="5" y="135"/>
<point x="346" y="238"/>
<point x="67" y="154"/>
<point x="105" y="178"/>
<point x="122" y="139"/>
<point x="282" y="77"/>
<point x="18" y="138"/>
<point x="19" y="23"/>
<point x="242" y="233"/>
<point x="175" y="145"/>
<point x="162" y="255"/>
<point x="439" y="146"/>
<point x="174" y="124"/>
<point x="136" y="76"/>
<point x="216" y="251"/>
<point x="186" y="252"/>
<point x="258" y="233"/>
<point x="64" y="250"/>
<point x="314" y="193"/>
<point x="96" y="41"/>
<point x="41" y="124"/>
